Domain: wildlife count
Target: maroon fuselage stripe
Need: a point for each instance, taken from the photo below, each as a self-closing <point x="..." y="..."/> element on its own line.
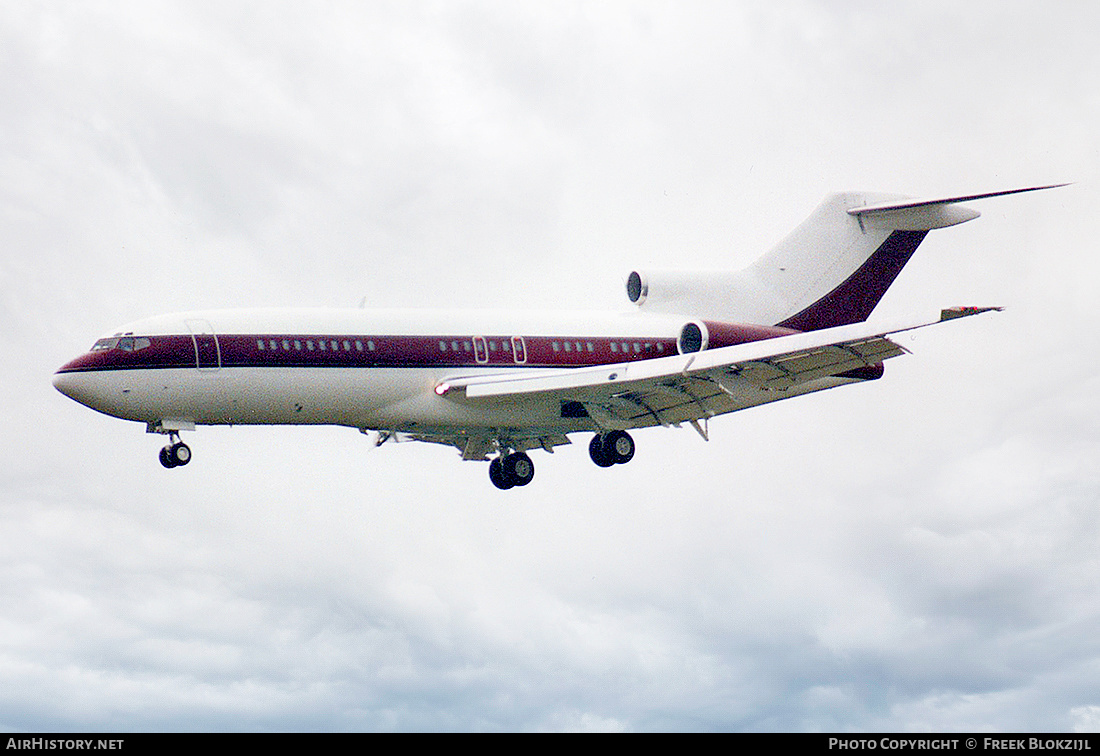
<point x="363" y="351"/>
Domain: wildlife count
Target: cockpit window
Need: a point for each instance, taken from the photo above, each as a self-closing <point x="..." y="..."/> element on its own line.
<point x="126" y="344"/>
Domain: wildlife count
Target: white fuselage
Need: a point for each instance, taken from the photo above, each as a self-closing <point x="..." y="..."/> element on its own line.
<point x="354" y="367"/>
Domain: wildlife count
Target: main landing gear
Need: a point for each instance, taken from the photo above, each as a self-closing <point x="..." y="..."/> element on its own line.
<point x="516" y="468"/>
<point x="176" y="454"/>
<point x="509" y="470"/>
<point x="614" y="448"/>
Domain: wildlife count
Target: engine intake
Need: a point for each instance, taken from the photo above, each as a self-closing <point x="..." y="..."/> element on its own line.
<point x="694" y="337"/>
<point x="697" y="335"/>
<point x="637" y="287"/>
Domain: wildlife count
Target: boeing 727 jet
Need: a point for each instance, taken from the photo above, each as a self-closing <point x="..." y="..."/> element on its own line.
<point x="499" y="384"/>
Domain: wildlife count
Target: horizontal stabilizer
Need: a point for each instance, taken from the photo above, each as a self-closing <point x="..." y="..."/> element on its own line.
<point x="925" y="214"/>
<point x="884" y="206"/>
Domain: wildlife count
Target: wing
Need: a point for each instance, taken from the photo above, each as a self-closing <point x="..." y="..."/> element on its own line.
<point x="687" y="388"/>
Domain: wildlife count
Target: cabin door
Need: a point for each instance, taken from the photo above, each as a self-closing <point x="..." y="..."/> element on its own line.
<point x="208" y="356"/>
<point x="481" y="350"/>
<point x="519" y="350"/>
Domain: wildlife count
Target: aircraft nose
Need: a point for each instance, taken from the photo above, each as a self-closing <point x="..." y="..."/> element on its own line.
<point x="76" y="386"/>
<point x="66" y="383"/>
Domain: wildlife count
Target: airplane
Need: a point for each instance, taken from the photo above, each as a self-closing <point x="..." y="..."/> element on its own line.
<point x="499" y="384"/>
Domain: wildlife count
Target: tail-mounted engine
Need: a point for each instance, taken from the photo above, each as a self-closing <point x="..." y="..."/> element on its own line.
<point x="698" y="335"/>
<point x="682" y="291"/>
<point x="718" y="295"/>
<point x="694" y="337"/>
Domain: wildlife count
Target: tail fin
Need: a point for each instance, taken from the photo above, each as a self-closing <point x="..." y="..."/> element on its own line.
<point x="831" y="270"/>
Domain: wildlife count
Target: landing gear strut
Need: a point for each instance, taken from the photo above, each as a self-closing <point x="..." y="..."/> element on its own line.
<point x="176" y="454"/>
<point x="509" y="470"/>
<point x="614" y="448"/>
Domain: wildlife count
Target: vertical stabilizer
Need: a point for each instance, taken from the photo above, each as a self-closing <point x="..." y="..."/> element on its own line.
<point x="832" y="270"/>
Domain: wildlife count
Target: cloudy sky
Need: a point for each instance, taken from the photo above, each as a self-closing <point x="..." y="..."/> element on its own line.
<point x="919" y="553"/>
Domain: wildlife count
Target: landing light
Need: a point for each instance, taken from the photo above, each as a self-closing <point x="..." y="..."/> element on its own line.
<point x="442" y="388"/>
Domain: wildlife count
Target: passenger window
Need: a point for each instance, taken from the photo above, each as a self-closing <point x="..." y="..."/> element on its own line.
<point x="370" y="345"/>
<point x="358" y="345"/>
<point x="492" y="346"/>
<point x="286" y="345"/>
<point x="297" y="345"/>
<point x="466" y="345"/>
<point x="260" y="344"/>
<point x="614" y="348"/>
<point x="309" y="345"/>
<point x="321" y="344"/>
<point x="335" y="346"/>
<point x="556" y="346"/>
<point x="568" y="347"/>
<point x="589" y="345"/>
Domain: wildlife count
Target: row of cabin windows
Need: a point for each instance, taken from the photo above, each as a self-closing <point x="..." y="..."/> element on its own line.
<point x="322" y="345"/>
<point x="334" y="345"/>
<point x="616" y="347"/>
<point x="464" y="346"/>
<point x="639" y="347"/>
<point x="571" y="346"/>
<point x="457" y="346"/>
<point x="559" y="346"/>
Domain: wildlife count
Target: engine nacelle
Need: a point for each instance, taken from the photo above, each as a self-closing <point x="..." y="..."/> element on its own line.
<point x="720" y="295"/>
<point x="697" y="335"/>
<point x="694" y="337"/>
<point x="675" y="290"/>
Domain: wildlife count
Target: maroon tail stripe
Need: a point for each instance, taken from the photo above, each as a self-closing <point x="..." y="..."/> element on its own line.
<point x="853" y="300"/>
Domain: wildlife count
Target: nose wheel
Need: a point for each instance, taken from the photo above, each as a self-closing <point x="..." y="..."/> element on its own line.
<point x="176" y="454"/>
<point x="510" y="470"/>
